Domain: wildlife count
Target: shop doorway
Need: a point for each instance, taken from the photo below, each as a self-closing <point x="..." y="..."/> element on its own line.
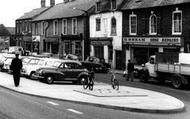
<point x="119" y="64"/>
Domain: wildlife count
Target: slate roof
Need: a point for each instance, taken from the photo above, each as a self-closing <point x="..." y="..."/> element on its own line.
<point x="4" y="31"/>
<point x="105" y="4"/>
<point x="65" y="10"/>
<point x="137" y="4"/>
<point x="33" y="13"/>
<point x="11" y="30"/>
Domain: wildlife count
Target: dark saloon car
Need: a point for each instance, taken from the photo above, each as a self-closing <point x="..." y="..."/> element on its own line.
<point x="96" y="67"/>
<point x="68" y="70"/>
<point x="98" y="60"/>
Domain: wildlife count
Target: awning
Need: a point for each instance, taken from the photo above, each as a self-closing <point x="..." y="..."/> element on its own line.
<point x="52" y="39"/>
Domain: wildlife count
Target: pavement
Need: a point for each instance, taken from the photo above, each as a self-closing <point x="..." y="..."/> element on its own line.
<point x="126" y="98"/>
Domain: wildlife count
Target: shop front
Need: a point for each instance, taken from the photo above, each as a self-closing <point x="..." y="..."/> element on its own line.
<point x="27" y="43"/>
<point x="139" y="49"/>
<point x="102" y="48"/>
<point x="51" y="44"/>
<point x="72" y="44"/>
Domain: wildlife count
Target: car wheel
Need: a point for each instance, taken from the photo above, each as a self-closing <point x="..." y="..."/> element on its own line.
<point x="49" y="79"/>
<point x="176" y="82"/>
<point x="83" y="80"/>
<point x="31" y="75"/>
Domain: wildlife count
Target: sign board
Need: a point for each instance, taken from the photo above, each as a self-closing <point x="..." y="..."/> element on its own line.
<point x="177" y="41"/>
<point x="35" y="38"/>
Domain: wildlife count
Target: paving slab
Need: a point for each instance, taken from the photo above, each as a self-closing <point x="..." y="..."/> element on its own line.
<point x="126" y="98"/>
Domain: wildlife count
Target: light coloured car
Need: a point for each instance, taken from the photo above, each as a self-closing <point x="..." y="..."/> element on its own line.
<point x="29" y="69"/>
<point x="7" y="63"/>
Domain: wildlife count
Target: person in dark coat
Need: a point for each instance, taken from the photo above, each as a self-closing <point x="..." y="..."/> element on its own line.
<point x="16" y="66"/>
<point x="130" y="70"/>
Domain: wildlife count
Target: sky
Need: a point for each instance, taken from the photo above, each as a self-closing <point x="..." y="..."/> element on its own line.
<point x="10" y="10"/>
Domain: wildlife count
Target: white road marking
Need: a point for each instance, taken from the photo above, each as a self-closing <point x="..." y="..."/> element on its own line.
<point x="75" y="111"/>
<point x="52" y="103"/>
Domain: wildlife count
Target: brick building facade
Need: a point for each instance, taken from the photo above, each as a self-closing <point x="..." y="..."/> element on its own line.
<point x="155" y="26"/>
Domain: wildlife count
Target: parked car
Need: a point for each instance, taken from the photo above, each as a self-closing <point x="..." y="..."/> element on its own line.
<point x="96" y="67"/>
<point x="29" y="64"/>
<point x="29" y="70"/>
<point x="7" y="64"/>
<point x="98" y="60"/>
<point x="68" y="70"/>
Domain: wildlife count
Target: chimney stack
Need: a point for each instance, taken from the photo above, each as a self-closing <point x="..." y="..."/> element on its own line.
<point x="43" y="3"/>
<point x="52" y="3"/>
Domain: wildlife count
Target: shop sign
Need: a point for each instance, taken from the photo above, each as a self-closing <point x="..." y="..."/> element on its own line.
<point x="35" y="38"/>
<point x="153" y="40"/>
<point x="101" y="43"/>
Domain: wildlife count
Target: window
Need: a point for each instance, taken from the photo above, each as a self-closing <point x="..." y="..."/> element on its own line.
<point x="98" y="24"/>
<point x="153" y="24"/>
<point x="98" y="6"/>
<point x="64" y="27"/>
<point x="36" y="28"/>
<point x="42" y="28"/>
<point x="55" y="27"/>
<point x="74" y="26"/>
<point x="133" y="24"/>
<point x="177" y="22"/>
<point x="78" y="48"/>
<point x="113" y="4"/>
<point x="113" y="26"/>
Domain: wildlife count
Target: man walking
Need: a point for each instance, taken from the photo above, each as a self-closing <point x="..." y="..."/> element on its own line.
<point x="16" y="66"/>
<point x="130" y="70"/>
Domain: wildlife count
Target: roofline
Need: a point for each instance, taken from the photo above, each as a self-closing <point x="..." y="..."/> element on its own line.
<point x="123" y="9"/>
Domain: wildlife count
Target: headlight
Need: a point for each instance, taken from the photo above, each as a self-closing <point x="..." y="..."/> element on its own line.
<point x="40" y="72"/>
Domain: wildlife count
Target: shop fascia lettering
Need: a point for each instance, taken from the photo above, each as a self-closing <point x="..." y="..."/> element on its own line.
<point x="159" y="40"/>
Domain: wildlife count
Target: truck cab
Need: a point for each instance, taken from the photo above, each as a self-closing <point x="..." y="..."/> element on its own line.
<point x="150" y="66"/>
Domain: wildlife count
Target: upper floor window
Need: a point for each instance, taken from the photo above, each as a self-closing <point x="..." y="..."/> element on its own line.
<point x="74" y="26"/>
<point x="42" y="28"/>
<point x="55" y="27"/>
<point x="113" y="4"/>
<point x="177" y="22"/>
<point x="113" y="26"/>
<point x="64" y="26"/>
<point x="98" y="6"/>
<point x="36" y="28"/>
<point x="133" y="24"/>
<point x="152" y="24"/>
<point x="98" y="24"/>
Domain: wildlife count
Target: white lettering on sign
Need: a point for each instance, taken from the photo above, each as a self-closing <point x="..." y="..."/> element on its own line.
<point x="152" y="40"/>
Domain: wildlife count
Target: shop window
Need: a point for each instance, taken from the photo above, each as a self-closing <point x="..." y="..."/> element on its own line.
<point x="133" y="24"/>
<point x="68" y="47"/>
<point x="55" y="27"/>
<point x="153" y="24"/>
<point x="74" y="26"/>
<point x="64" y="26"/>
<point x="78" y="48"/>
<point x="99" y="51"/>
<point x="98" y="24"/>
<point x="113" y="26"/>
<point x="177" y="22"/>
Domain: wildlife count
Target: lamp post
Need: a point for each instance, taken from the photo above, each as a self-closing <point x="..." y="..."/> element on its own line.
<point x="85" y="39"/>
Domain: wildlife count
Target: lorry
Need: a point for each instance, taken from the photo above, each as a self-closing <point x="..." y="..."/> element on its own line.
<point x="173" y="67"/>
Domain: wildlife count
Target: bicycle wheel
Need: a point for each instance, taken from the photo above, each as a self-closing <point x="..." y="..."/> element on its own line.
<point x="115" y="84"/>
<point x="85" y="83"/>
<point x="91" y="85"/>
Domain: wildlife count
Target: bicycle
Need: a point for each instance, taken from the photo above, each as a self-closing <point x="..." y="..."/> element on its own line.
<point x="114" y="81"/>
<point x="89" y="83"/>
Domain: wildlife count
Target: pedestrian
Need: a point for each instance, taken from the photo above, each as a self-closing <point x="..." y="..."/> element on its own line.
<point x="130" y="71"/>
<point x="16" y="66"/>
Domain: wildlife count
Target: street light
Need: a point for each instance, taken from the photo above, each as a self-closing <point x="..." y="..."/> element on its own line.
<point x="86" y="32"/>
